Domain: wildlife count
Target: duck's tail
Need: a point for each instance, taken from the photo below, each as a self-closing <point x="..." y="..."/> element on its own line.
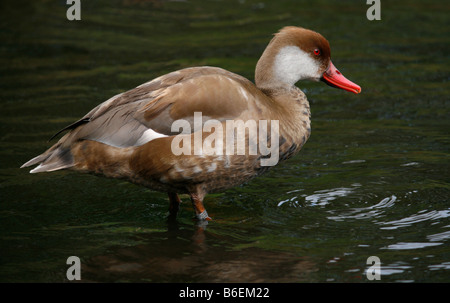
<point x="86" y="156"/>
<point x="55" y="158"/>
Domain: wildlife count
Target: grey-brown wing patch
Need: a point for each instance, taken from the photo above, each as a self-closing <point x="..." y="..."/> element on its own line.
<point x="147" y="112"/>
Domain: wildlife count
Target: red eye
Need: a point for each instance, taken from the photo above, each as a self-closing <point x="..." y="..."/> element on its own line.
<point x="317" y="52"/>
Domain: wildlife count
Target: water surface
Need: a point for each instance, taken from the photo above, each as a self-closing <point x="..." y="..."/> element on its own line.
<point x="373" y="179"/>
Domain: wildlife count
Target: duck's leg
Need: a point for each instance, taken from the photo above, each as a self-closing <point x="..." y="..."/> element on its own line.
<point x="174" y="205"/>
<point x="200" y="211"/>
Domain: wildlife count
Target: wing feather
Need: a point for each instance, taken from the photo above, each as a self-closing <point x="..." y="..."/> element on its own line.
<point x="147" y="112"/>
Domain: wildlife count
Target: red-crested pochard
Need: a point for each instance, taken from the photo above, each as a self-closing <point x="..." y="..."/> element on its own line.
<point x="132" y="136"/>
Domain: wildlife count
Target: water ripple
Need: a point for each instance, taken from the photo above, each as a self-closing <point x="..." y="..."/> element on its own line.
<point x="439" y="237"/>
<point x="410" y="245"/>
<point x="418" y="217"/>
<point x="366" y="212"/>
<point x="445" y="265"/>
<point x="321" y="197"/>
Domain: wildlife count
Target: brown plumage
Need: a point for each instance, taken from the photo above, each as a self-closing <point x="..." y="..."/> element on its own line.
<point x="130" y="135"/>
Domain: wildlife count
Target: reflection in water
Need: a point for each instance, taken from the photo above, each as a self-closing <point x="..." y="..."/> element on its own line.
<point x="185" y="255"/>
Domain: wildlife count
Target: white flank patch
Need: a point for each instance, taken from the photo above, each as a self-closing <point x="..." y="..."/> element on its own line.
<point x="293" y="64"/>
<point x="148" y="136"/>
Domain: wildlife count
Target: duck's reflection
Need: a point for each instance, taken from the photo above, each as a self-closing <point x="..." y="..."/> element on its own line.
<point x="186" y="253"/>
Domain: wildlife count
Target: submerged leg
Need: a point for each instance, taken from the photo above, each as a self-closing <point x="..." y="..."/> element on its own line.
<point x="200" y="211"/>
<point x="174" y="205"/>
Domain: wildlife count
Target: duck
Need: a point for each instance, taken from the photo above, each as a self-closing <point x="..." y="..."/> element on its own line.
<point x="148" y="135"/>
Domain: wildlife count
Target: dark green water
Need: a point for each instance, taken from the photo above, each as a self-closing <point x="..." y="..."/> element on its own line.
<point x="373" y="180"/>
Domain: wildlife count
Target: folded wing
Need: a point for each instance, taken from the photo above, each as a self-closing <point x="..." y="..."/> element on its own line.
<point x="147" y="112"/>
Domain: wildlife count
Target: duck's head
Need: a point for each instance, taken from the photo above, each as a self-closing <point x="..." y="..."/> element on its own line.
<point x="296" y="54"/>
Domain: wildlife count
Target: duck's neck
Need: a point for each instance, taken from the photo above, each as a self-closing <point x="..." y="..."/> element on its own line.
<point x="291" y="107"/>
<point x="295" y="121"/>
<point x="282" y="67"/>
<point x="265" y="76"/>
